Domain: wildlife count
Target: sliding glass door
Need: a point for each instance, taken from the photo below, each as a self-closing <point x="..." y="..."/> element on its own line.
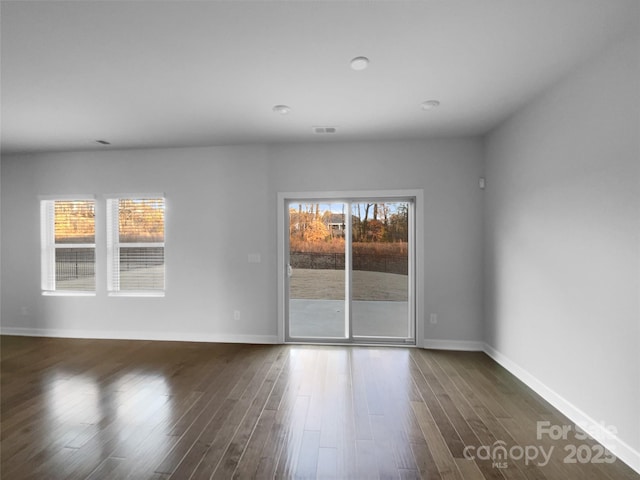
<point x="316" y="271"/>
<point x="380" y="270"/>
<point x="350" y="271"/>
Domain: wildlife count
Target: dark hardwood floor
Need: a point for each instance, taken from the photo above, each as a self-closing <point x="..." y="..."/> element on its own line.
<point x="103" y="409"/>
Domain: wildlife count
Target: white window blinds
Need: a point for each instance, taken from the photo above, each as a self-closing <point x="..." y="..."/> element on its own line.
<point x="68" y="246"/>
<point x="135" y="245"/>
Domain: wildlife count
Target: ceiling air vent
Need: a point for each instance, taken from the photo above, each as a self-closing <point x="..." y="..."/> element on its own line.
<point x="325" y="129"/>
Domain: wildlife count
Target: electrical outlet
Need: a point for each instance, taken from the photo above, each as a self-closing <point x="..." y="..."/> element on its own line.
<point x="236" y="314"/>
<point x="433" y="318"/>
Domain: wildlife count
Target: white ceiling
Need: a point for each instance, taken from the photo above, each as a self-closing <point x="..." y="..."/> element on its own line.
<point x="181" y="73"/>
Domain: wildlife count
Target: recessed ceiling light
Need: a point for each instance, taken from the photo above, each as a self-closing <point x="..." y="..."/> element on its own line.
<point x="359" y="63"/>
<point x="430" y="104"/>
<point x="282" y="109"/>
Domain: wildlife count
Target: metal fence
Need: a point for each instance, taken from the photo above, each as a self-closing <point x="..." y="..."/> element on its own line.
<point x="365" y="262"/>
<point x="73" y="263"/>
<point x="133" y="258"/>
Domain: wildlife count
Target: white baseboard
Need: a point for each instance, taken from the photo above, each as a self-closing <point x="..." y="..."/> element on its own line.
<point x="621" y="449"/>
<point x="123" y="335"/>
<point x="466" y="345"/>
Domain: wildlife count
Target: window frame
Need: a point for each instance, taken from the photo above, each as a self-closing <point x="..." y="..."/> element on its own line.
<point x="114" y="245"/>
<point x="48" y="245"/>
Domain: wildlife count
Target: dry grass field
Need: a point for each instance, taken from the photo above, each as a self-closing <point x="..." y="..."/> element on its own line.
<point x="329" y="285"/>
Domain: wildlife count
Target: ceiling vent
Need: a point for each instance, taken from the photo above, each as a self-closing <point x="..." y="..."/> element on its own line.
<point x="325" y="130"/>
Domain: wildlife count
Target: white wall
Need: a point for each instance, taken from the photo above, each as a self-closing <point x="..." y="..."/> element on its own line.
<point x="562" y="242"/>
<point x="448" y="171"/>
<point x="221" y="206"/>
<point x="217" y="213"/>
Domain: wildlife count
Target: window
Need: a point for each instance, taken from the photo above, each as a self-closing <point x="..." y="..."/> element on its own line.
<point x="68" y="246"/>
<point x="135" y="246"/>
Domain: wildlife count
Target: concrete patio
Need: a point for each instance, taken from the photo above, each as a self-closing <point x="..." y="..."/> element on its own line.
<point x="309" y="318"/>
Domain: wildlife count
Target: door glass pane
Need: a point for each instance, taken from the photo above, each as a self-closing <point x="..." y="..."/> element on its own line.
<point x="317" y="306"/>
<point x="380" y="262"/>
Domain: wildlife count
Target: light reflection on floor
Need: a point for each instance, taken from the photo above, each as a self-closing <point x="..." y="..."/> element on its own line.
<point x="127" y="412"/>
<point x="329" y="409"/>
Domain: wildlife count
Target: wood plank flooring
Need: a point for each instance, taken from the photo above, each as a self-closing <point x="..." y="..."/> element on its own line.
<point x="106" y="409"/>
